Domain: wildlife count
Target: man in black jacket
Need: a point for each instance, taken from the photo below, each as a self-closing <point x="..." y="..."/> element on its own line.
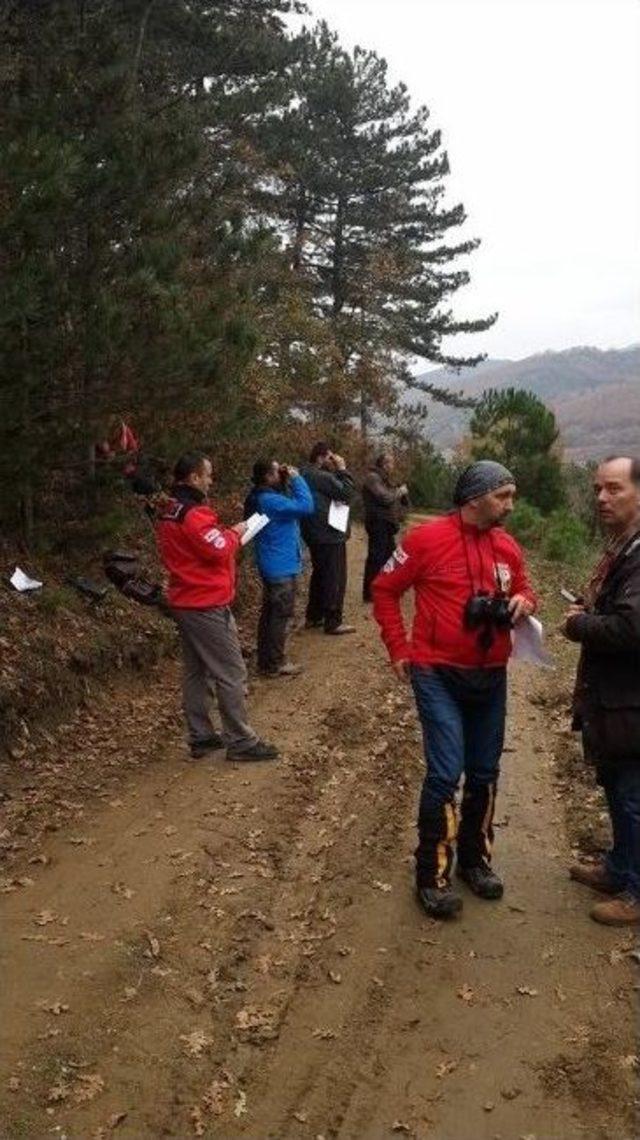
<point x="332" y="488"/>
<point x="385" y="507"/>
<point x="606" y="623"/>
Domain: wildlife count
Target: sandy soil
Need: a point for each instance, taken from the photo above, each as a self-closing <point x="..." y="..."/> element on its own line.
<point x="235" y="951"/>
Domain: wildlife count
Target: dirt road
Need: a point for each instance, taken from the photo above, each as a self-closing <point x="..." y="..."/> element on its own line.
<point x="234" y="951"/>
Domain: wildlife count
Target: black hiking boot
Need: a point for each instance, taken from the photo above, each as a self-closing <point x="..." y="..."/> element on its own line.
<point x="482" y="881"/>
<point x="261" y="750"/>
<point x="201" y="748"/>
<point x="439" y="902"/>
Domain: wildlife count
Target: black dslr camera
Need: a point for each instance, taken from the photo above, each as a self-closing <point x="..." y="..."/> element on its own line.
<point x="485" y="610"/>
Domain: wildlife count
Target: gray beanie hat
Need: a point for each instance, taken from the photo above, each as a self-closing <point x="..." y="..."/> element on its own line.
<point x="479" y="479"/>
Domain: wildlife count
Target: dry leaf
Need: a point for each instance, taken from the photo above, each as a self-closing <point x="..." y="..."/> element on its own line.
<point x="55" y="1007"/>
<point x="301" y="1117"/>
<point x="115" y="1120"/>
<point x="466" y="993"/>
<point x="195" y="1042"/>
<point x="400" y="1126"/>
<point x="385" y="887"/>
<point x="89" y="1085"/>
<point x="13" y="1084"/>
<point x="632" y="1061"/>
<point x="526" y="991"/>
<point x="214" y="1097"/>
<point x="258" y="1024"/>
<point x="240" y="1107"/>
<point x="58" y="1093"/>
<point x="324" y="1034"/>
<point x="335" y="977"/>
<point x="197" y="1121"/>
<point x="154" y="945"/>
<point x="122" y="891"/>
<point x="446" y="1067"/>
<point x="45" y="917"/>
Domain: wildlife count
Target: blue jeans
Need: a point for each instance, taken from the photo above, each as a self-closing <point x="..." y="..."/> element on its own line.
<point x="463" y="733"/>
<point x="622" y="789"/>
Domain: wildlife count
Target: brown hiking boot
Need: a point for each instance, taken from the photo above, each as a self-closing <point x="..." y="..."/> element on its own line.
<point x="622" y="910"/>
<point x="593" y="875"/>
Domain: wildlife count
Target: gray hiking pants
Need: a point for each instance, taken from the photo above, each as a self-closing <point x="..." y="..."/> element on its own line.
<point x="212" y="658"/>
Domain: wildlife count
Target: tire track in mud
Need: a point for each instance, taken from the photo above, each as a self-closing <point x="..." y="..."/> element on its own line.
<point x="242" y="957"/>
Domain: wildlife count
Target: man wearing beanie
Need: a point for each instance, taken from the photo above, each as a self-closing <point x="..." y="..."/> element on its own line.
<point x="470" y="587"/>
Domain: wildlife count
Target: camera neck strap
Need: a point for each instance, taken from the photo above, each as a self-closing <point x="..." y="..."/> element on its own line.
<point x="465" y="545"/>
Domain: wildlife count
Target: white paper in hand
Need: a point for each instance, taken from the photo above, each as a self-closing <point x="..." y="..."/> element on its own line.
<point x="255" y="524"/>
<point x="21" y="582"/>
<point x="528" y="643"/>
<point x="339" y="516"/>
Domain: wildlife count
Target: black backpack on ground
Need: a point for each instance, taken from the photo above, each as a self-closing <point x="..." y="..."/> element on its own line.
<point x="121" y="568"/>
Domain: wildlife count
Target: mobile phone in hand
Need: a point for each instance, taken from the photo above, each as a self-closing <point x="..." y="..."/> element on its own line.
<point x="568" y="596"/>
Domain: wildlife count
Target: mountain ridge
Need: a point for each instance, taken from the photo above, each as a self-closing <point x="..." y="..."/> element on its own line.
<point x="594" y="392"/>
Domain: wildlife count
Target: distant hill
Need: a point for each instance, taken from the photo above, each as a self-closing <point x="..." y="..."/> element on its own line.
<point x="594" y="393"/>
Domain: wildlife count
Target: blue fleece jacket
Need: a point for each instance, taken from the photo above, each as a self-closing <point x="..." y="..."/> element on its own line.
<point x="278" y="551"/>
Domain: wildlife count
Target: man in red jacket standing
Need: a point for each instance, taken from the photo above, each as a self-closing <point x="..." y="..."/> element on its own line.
<point x="199" y="555"/>
<point x="470" y="587"/>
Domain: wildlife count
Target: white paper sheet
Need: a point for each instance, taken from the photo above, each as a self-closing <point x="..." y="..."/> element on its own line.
<point x="255" y="524"/>
<point x="339" y="516"/>
<point x="22" y="582"/>
<point x="527" y="638"/>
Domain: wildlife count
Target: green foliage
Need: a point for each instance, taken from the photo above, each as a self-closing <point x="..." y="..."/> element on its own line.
<point x="430" y="480"/>
<point x="517" y="429"/>
<point x="578" y="481"/>
<point x="526" y="523"/>
<point x="566" y="538"/>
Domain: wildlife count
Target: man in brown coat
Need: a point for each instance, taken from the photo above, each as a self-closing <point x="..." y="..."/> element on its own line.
<point x="606" y="623"/>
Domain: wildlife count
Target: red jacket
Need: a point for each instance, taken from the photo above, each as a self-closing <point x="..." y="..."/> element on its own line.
<point x="197" y="552"/>
<point x="446" y="562"/>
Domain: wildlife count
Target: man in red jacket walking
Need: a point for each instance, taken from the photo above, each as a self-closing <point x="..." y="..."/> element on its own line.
<point x="470" y="587"/>
<point x="199" y="555"/>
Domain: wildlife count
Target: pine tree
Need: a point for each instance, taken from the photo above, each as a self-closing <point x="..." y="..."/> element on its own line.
<point x="516" y="428"/>
<point x="133" y="259"/>
<point x="361" y="195"/>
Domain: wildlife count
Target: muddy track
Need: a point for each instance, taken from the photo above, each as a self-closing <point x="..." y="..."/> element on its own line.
<point x="232" y="951"/>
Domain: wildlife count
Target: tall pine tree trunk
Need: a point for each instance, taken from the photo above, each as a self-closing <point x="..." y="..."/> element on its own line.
<point x="337" y="269"/>
<point x="300" y="228"/>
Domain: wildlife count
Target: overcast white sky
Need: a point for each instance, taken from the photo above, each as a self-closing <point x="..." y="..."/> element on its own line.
<point x="539" y="105"/>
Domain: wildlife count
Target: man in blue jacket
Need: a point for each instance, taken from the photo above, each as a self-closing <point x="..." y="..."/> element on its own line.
<point x="282" y="494"/>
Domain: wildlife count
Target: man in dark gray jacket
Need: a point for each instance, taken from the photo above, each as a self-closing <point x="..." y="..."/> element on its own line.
<point x="385" y="508"/>
<point x="606" y="623"/>
<point x="332" y="488"/>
